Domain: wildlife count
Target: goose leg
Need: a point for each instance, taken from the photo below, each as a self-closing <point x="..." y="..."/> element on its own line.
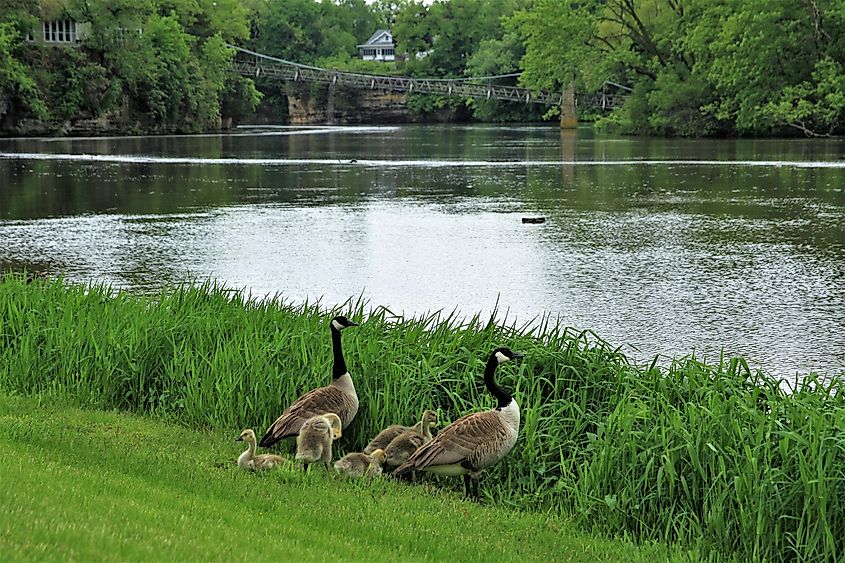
<point x="466" y="486"/>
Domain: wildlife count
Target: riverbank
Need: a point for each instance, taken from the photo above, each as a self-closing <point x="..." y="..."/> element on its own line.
<point x="710" y="456"/>
<point x="93" y="485"/>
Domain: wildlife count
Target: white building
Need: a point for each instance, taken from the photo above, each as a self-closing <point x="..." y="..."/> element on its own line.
<point x="62" y="32"/>
<point x="379" y="47"/>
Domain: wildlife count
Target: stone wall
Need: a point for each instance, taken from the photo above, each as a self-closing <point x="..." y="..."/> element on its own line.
<point x="361" y="106"/>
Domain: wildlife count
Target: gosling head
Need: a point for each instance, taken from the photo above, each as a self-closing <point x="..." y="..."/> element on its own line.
<point x="504" y="354"/>
<point x="378" y="456"/>
<point x="335" y="424"/>
<point x="247" y="436"/>
<point x="340" y="322"/>
<point x="429" y="418"/>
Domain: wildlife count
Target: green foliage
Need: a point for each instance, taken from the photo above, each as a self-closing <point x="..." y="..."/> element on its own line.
<point x="816" y="106"/>
<point x="495" y="57"/>
<point x="707" y="67"/>
<point x="166" y="60"/>
<point x="17" y="86"/>
<point x="84" y="86"/>
<point x="349" y="63"/>
<point x="306" y="31"/>
<point x="713" y="456"/>
<point x="458" y="38"/>
<point x="240" y="97"/>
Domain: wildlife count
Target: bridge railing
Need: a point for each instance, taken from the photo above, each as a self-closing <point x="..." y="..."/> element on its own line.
<point x="252" y="64"/>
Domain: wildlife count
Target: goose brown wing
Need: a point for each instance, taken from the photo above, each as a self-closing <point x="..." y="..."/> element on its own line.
<point x="321" y="400"/>
<point x="458" y="442"/>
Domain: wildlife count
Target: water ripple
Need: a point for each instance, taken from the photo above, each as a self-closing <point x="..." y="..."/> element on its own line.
<point x="429" y="163"/>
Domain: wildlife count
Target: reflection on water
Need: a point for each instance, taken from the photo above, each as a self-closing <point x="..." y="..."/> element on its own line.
<point x="668" y="246"/>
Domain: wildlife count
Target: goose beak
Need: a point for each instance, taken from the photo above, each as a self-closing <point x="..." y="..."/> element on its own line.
<point x="518" y="356"/>
<point x="239" y="439"/>
<point x="353" y="324"/>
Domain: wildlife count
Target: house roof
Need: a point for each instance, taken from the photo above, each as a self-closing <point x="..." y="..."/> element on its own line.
<point x="381" y="38"/>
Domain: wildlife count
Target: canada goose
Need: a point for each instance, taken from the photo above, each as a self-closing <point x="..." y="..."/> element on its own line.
<point x="248" y="459"/>
<point x="402" y="446"/>
<point x="314" y="441"/>
<point x="476" y="441"/>
<point x="338" y="397"/>
<point x="357" y="464"/>
<point x="383" y="438"/>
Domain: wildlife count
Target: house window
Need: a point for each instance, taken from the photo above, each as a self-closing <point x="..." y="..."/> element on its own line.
<point x="389" y="52"/>
<point x="60" y="31"/>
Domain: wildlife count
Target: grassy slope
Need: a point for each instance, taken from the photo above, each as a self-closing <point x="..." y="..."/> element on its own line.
<point x="103" y="485"/>
<point x="712" y="457"/>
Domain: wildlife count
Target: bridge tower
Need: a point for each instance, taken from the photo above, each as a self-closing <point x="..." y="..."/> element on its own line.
<point x="568" y="117"/>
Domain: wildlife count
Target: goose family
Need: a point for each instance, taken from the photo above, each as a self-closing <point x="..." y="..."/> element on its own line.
<point x="466" y="447"/>
<point x="358" y="464"/>
<point x="248" y="459"/>
<point x="402" y="446"/>
<point x="338" y="397"/>
<point x="315" y="437"/>
<point x="476" y="441"/>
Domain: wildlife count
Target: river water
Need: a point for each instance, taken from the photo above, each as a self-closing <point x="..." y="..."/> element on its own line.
<point x="668" y="247"/>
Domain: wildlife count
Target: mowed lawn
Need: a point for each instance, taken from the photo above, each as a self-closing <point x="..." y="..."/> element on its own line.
<point x="93" y="485"/>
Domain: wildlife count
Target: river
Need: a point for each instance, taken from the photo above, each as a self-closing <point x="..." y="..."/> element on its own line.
<point x="664" y="246"/>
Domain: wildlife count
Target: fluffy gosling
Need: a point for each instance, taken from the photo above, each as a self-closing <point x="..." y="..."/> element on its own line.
<point x="383" y="438"/>
<point x="314" y="442"/>
<point x="248" y="459"/>
<point x="401" y="447"/>
<point x="358" y="464"/>
<point x="376" y="465"/>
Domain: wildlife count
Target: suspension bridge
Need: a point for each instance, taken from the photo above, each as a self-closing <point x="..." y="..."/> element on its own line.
<point x="251" y="64"/>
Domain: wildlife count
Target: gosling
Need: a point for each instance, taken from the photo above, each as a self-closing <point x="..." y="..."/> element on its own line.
<point x="358" y="464"/>
<point x="383" y="438"/>
<point x="248" y="459"/>
<point x="401" y="447"/>
<point x="375" y="467"/>
<point x="314" y="442"/>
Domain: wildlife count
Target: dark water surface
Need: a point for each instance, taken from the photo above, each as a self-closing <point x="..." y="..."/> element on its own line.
<point x="667" y="246"/>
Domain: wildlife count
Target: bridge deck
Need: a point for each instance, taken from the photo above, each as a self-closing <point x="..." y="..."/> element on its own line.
<point x="252" y="64"/>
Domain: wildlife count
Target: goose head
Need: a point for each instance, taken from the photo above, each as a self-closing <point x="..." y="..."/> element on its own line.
<point x="335" y="424"/>
<point x="340" y="322"/>
<point x="247" y="436"/>
<point x="505" y="354"/>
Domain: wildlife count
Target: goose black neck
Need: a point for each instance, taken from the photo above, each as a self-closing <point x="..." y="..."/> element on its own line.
<point x="490" y="381"/>
<point x="339" y="366"/>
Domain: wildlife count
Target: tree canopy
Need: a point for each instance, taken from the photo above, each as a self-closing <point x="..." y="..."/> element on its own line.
<point x="697" y="67"/>
<point x="694" y="67"/>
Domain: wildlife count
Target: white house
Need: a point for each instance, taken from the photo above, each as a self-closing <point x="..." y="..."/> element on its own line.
<point x="379" y="47"/>
<point x="62" y="32"/>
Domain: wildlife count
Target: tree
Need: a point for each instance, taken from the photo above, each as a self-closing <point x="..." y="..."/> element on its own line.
<point x="697" y="67"/>
<point x="17" y="86"/>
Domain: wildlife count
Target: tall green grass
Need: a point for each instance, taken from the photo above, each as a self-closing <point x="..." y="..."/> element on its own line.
<point x="716" y="457"/>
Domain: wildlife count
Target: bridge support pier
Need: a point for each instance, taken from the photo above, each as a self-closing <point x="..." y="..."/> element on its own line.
<point x="568" y="117"/>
